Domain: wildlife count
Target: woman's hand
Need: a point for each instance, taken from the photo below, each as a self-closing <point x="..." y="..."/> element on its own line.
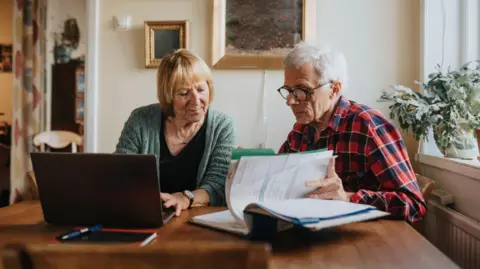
<point x="178" y="200"/>
<point x="330" y="188"/>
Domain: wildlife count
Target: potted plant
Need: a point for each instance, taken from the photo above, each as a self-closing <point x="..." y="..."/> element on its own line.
<point x="449" y="105"/>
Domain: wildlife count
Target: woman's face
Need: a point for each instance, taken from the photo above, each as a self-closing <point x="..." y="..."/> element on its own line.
<point x="190" y="102"/>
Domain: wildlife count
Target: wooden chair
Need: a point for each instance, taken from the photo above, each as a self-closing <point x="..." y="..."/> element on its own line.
<point x="54" y="139"/>
<point x="57" y="139"/>
<point x="172" y="255"/>
<point x="32" y="182"/>
<point x="426" y="186"/>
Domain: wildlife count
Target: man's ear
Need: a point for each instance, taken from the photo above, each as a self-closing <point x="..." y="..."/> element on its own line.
<point x="336" y="89"/>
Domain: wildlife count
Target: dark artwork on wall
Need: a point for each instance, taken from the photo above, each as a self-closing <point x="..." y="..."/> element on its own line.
<point x="165" y="41"/>
<point x="6" y="58"/>
<point x="263" y="27"/>
<point x="162" y="37"/>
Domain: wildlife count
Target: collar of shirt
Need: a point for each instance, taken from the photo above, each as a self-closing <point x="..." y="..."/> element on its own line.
<point x="341" y="109"/>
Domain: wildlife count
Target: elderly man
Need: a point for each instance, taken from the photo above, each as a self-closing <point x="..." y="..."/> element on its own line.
<point x="372" y="166"/>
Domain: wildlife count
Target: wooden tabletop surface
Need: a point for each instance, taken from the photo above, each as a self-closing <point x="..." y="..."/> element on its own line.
<point x="379" y="243"/>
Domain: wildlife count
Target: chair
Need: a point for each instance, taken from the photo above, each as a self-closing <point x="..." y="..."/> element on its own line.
<point x="174" y="255"/>
<point x="426" y="186"/>
<point x="54" y="139"/>
<point x="32" y="182"/>
<point x="57" y="139"/>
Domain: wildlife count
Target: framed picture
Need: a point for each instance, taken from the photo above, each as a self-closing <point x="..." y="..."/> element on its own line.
<point x="79" y="109"/>
<point x="161" y="37"/>
<point x="258" y="34"/>
<point x="80" y="78"/>
<point x="6" y="58"/>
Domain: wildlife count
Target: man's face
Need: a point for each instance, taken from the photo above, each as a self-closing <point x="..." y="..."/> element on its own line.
<point x="318" y="98"/>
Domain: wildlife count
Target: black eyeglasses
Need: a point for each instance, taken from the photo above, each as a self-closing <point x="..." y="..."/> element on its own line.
<point x="301" y="94"/>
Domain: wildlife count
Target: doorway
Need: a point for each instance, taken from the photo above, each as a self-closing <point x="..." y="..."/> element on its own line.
<point x="6" y="100"/>
<point x="59" y="38"/>
<point x="65" y="66"/>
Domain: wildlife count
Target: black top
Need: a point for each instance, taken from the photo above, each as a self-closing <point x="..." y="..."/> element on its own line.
<point x="179" y="173"/>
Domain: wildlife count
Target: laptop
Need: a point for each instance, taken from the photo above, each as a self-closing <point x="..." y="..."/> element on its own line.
<point x="114" y="190"/>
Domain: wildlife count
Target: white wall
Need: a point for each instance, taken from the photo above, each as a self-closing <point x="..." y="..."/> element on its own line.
<point x="57" y="12"/>
<point x="6" y="79"/>
<point x="379" y="38"/>
<point x="460" y="179"/>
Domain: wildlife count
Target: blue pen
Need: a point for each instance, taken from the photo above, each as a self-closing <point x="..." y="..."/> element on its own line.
<point x="82" y="231"/>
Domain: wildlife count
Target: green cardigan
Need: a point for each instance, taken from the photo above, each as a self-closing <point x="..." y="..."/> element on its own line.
<point x="140" y="135"/>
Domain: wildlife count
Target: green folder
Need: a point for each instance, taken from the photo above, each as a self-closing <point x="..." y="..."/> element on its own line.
<point x="238" y="153"/>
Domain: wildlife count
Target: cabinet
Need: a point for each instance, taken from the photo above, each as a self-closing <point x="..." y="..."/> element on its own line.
<point x="68" y="90"/>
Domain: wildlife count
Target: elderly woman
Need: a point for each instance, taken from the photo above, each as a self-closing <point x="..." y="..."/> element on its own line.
<point x="192" y="141"/>
<point x="372" y="166"/>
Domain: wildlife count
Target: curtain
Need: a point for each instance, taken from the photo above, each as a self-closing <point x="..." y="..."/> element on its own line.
<point x="28" y="92"/>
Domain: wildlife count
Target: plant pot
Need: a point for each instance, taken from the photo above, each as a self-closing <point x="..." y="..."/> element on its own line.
<point x="464" y="147"/>
<point x="477" y="133"/>
<point x="63" y="53"/>
<point x="467" y="154"/>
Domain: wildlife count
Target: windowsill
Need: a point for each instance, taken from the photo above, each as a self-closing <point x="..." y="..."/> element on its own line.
<point x="469" y="168"/>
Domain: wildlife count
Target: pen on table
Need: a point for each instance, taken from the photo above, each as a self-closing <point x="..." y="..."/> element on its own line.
<point x="82" y="231"/>
<point x="148" y="240"/>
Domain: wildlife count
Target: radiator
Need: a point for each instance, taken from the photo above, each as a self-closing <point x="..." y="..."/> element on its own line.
<point x="455" y="234"/>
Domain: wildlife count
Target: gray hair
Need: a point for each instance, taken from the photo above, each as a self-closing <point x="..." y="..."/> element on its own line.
<point x="330" y="66"/>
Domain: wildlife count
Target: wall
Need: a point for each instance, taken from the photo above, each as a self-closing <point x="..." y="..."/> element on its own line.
<point x="459" y="178"/>
<point x="6" y="79"/>
<point x="379" y="38"/>
<point x="57" y="12"/>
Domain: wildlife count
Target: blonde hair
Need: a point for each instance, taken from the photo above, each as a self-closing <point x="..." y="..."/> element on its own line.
<point x="179" y="68"/>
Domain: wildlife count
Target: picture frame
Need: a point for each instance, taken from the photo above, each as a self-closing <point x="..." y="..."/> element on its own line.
<point x="161" y="37"/>
<point x="79" y="109"/>
<point x="6" y="58"/>
<point x="249" y="26"/>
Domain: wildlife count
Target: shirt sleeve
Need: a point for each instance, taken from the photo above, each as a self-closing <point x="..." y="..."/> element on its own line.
<point x="399" y="193"/>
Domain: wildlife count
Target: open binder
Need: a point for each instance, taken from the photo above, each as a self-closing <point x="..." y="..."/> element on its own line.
<point x="265" y="194"/>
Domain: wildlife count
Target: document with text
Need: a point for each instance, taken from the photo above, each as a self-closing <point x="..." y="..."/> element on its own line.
<point x="275" y="186"/>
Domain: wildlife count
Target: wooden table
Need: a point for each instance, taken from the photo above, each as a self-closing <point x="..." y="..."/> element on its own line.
<point x="380" y="243"/>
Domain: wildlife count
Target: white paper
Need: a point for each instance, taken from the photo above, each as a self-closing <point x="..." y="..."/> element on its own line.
<point x="312" y="208"/>
<point x="277" y="184"/>
<point x="273" y="178"/>
<point x="347" y="220"/>
<point x="222" y="220"/>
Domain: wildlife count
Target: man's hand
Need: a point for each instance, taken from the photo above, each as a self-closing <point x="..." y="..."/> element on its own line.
<point x="330" y="188"/>
<point x="178" y="200"/>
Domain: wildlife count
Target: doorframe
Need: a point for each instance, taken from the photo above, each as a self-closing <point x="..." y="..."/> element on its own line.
<point x="91" y="76"/>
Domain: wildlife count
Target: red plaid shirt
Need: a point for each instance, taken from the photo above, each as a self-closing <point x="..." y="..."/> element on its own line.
<point x="372" y="159"/>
